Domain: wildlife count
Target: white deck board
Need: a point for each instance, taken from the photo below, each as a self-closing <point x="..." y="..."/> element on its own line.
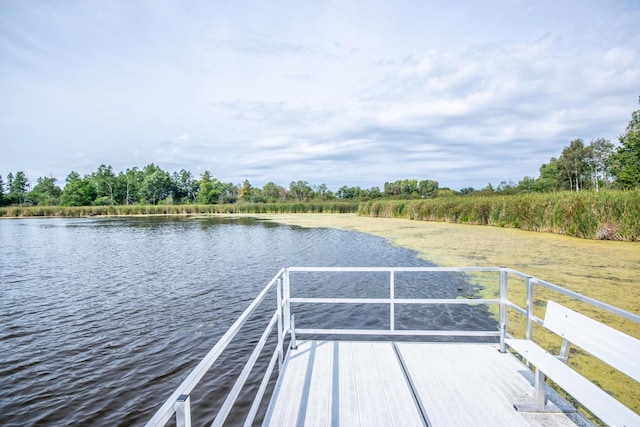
<point x="466" y="384"/>
<point x="343" y="383"/>
<point x="338" y="383"/>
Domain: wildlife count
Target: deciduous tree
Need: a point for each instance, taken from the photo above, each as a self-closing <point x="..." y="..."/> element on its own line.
<point x="300" y="190"/>
<point x="428" y="188"/>
<point x="573" y="163"/>
<point x="105" y="182"/>
<point x="550" y="177"/>
<point x="78" y="191"/>
<point x="128" y="186"/>
<point x="625" y="162"/>
<point x="45" y="192"/>
<point x="156" y="185"/>
<point x="185" y="187"/>
<point x="273" y="192"/>
<point x="246" y="191"/>
<point x="598" y="153"/>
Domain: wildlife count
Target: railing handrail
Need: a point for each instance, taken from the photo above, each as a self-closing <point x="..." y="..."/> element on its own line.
<point x="167" y="410"/>
<point x="591" y="301"/>
<point x="285" y="324"/>
<point x="395" y="269"/>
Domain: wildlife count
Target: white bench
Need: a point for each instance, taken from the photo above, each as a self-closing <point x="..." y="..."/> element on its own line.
<point x="617" y="349"/>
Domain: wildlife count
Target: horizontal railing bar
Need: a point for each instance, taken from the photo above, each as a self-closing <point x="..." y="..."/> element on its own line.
<point x="397" y="332"/>
<point x="594" y="302"/>
<point x="395" y="269"/>
<point x="524" y="312"/>
<point x="446" y="301"/>
<point x="261" y="390"/>
<point x="395" y="301"/>
<point x="341" y="300"/>
<point x="167" y="410"/>
<point x="516" y="308"/>
<point x="223" y="413"/>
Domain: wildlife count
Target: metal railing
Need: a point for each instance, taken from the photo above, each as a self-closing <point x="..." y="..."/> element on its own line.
<point x="178" y="403"/>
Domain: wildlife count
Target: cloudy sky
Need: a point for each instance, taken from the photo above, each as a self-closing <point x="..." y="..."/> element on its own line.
<point x="337" y="92"/>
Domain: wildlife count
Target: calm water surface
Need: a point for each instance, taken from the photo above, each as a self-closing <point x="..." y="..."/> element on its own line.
<point x="101" y="319"/>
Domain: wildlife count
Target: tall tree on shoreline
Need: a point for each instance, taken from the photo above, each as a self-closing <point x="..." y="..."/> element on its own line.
<point x="598" y="153"/>
<point x="105" y="181"/>
<point x="1" y="191"/>
<point x="78" y="191"/>
<point x="45" y="192"/>
<point x="573" y="162"/>
<point x="18" y="187"/>
<point x="625" y="162"/>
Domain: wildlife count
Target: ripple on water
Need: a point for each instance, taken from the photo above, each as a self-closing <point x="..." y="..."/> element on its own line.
<point x="101" y="319"/>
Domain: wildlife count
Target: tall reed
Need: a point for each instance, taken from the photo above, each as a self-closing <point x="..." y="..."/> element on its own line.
<point x="610" y="215"/>
<point x="126" y="210"/>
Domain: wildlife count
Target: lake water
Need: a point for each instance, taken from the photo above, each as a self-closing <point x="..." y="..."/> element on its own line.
<point x="101" y="319"/>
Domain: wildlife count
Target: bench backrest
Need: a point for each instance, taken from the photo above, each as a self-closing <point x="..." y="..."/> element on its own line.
<point x="607" y="344"/>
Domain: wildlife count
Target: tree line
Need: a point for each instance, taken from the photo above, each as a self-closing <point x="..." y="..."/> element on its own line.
<point x="153" y="185"/>
<point x="579" y="167"/>
<point x="600" y="164"/>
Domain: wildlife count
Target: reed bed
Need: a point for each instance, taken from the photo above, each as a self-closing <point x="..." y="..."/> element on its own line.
<point x="604" y="215"/>
<point x="130" y="210"/>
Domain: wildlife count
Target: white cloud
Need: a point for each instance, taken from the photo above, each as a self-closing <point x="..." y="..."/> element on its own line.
<point x="342" y="93"/>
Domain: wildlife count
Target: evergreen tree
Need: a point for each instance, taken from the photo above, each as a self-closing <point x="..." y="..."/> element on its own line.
<point x="18" y="188"/>
<point x="1" y="191"/>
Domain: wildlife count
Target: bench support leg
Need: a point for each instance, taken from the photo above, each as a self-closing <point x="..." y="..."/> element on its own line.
<point x="540" y="404"/>
<point x="540" y="396"/>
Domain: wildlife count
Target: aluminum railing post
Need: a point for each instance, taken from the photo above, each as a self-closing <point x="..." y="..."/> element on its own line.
<point x="286" y="290"/>
<point x="183" y="411"/>
<point x="529" y="331"/>
<point x="392" y="308"/>
<point x="294" y="344"/>
<point x="503" y="308"/>
<point x="280" y="323"/>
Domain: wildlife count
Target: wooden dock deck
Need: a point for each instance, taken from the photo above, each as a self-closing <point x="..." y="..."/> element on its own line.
<point x="341" y="383"/>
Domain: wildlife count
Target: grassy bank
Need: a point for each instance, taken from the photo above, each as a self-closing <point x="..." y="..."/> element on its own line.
<point x="127" y="210"/>
<point x="605" y="215"/>
<point x="604" y="270"/>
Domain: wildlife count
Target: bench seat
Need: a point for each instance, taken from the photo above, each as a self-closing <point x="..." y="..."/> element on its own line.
<point x="599" y="402"/>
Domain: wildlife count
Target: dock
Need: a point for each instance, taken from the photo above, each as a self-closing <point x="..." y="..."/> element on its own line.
<point x="341" y="383"/>
<point x="392" y="373"/>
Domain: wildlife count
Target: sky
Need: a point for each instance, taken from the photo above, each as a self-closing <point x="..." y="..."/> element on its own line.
<point x="354" y="93"/>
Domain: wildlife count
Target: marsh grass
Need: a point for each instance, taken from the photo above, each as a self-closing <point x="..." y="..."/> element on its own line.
<point x="604" y="215"/>
<point x="128" y="210"/>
